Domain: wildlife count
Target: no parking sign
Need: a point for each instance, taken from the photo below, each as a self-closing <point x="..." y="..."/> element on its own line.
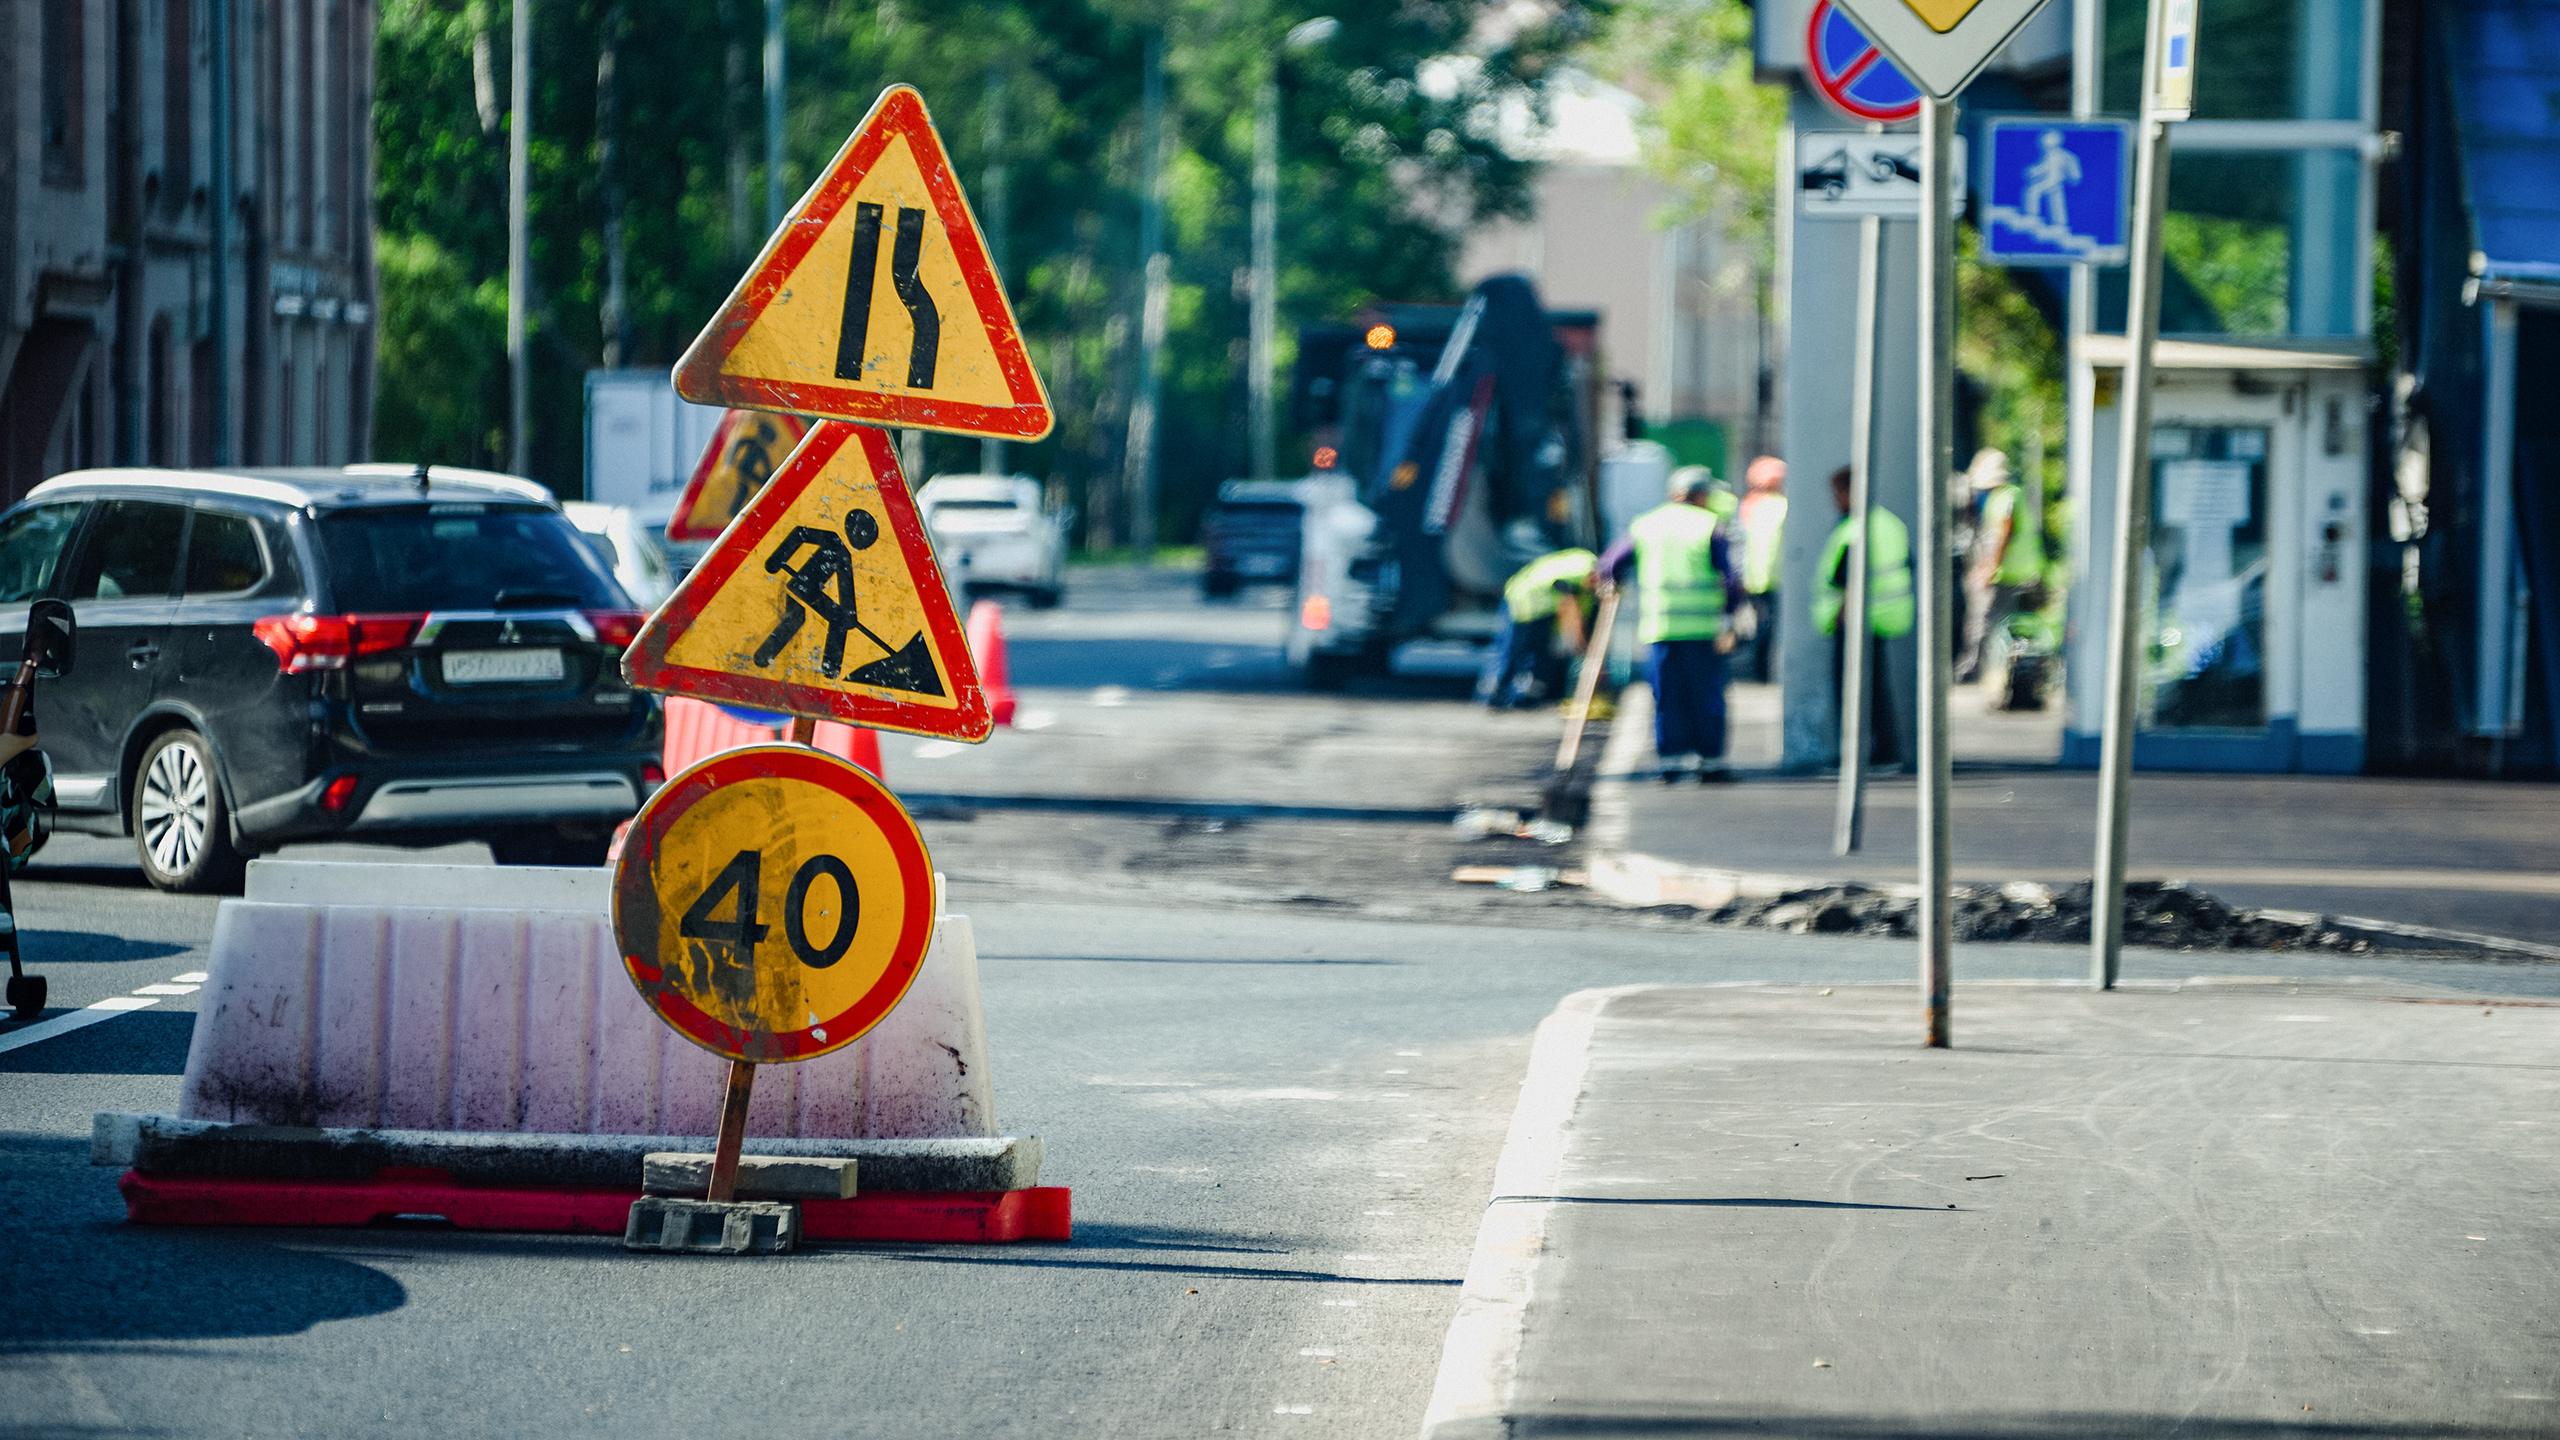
<point x="1852" y="73"/>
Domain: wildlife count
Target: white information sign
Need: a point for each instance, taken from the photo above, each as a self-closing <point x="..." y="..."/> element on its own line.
<point x="1941" y="44"/>
<point x="1843" y="174"/>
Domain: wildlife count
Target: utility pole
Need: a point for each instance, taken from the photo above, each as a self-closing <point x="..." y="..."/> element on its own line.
<point x="1139" y="473"/>
<point x="773" y="84"/>
<point x="2168" y="77"/>
<point x="519" y="123"/>
<point x="1266" y="266"/>
<point x="218" y="20"/>
<point x="991" y="451"/>
<point x="1937" y="444"/>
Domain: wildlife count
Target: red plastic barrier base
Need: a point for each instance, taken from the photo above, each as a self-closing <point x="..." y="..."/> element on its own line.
<point x="991" y="1217"/>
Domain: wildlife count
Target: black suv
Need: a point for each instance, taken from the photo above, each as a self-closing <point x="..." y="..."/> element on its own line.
<point x="383" y="652"/>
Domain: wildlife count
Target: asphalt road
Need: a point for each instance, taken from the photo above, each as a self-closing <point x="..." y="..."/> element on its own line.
<point x="1275" y="1060"/>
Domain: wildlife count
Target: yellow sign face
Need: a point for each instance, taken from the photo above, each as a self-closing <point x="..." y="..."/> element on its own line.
<point x="773" y="903"/>
<point x="822" y="599"/>
<point x="1941" y="15"/>
<point x="743" y="454"/>
<point x="876" y="301"/>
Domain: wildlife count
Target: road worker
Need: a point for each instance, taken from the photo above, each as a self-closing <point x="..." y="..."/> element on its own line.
<point x="1683" y="572"/>
<point x="1890" y="608"/>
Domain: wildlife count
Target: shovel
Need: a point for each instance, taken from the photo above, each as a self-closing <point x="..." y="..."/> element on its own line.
<point x="1562" y="801"/>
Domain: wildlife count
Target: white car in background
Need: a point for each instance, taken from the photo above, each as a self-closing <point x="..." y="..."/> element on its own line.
<point x="990" y="533"/>
<point x="632" y="548"/>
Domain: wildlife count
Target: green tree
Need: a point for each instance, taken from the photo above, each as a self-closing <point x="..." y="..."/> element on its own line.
<point x="1378" y="174"/>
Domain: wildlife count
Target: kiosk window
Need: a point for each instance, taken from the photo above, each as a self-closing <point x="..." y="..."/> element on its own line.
<point x="2205" y="606"/>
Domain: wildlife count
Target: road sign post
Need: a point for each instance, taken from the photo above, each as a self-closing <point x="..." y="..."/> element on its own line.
<point x="1848" y="829"/>
<point x="2168" y="85"/>
<point x="1937" y="437"/>
<point x="1941" y="45"/>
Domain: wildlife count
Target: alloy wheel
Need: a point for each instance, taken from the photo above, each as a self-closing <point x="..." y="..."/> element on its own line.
<point x="177" y="808"/>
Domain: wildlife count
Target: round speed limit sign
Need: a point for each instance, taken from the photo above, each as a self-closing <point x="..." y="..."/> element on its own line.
<point x="773" y="903"/>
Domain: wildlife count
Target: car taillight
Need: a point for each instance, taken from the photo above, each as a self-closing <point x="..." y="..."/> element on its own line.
<point x="327" y="642"/>
<point x="306" y="642"/>
<point x="331" y="641"/>
<point x="338" y="793"/>
<point x="616" y="628"/>
<point x="653" y="775"/>
<point x="375" y="634"/>
<point x="1316" y="614"/>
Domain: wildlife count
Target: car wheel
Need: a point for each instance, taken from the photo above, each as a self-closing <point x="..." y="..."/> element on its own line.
<point x="181" y="827"/>
<point x="1045" y="598"/>
<point x="546" y="845"/>
<point x="1218" y="585"/>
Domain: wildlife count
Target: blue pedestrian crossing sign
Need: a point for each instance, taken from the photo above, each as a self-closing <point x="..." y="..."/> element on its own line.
<point x="2056" y="192"/>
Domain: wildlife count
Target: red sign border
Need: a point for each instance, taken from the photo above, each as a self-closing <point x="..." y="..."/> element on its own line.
<point x="1835" y="89"/>
<point x="646" y="665"/>
<point x="899" y="112"/>
<point x="710" y="461"/>
<point x="792" y="762"/>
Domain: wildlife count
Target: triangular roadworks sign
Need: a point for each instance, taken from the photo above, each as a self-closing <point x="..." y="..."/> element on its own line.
<point x="875" y="301"/>
<point x="743" y="454"/>
<point x="822" y="599"/>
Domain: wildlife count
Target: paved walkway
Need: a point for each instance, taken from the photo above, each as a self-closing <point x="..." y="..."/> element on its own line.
<point x="2210" y="1210"/>
<point x="2479" y="856"/>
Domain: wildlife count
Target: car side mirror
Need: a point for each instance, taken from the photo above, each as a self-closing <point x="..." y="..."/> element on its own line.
<point x="50" y="628"/>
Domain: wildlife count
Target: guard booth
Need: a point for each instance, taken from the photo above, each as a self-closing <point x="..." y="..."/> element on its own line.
<point x="2255" y="591"/>
<point x="2254" y="597"/>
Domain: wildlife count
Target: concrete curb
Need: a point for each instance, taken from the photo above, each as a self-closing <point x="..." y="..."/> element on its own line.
<point x="1632" y="878"/>
<point x="1479" y="1362"/>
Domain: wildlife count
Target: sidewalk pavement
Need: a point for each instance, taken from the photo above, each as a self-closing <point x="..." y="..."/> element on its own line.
<point x="2481" y="857"/>
<point x="2217" y="1209"/>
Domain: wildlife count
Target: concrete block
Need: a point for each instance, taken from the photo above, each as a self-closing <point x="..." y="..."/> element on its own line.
<point x="760" y="1177"/>
<point x="441" y="887"/>
<point x="350" y="1005"/>
<point x="701" y="1227"/>
<point x="171" y="1145"/>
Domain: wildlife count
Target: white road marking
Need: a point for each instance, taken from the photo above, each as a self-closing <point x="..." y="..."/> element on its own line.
<point x="1293" y="1409"/>
<point x="1316" y="1350"/>
<point x="107" y="1009"/>
<point x="192" y="977"/>
<point x="1035" y="719"/>
<point x="936" y="749"/>
<point x="167" y="989"/>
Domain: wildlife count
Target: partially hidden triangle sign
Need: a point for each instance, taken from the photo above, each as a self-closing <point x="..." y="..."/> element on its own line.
<point x="822" y="599"/>
<point x="875" y="301"/>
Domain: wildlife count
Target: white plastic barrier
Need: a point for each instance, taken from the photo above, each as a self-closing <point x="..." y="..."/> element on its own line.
<point x="363" y="996"/>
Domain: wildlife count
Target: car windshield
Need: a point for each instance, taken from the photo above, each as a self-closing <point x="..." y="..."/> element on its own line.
<point x="468" y="556"/>
<point x="973" y="505"/>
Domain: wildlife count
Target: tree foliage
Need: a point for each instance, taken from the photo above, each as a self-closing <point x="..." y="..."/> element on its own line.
<point x="1378" y="172"/>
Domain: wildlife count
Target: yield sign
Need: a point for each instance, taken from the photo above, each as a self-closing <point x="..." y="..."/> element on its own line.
<point x="743" y="454"/>
<point x="1941" y="44"/>
<point x="875" y="301"/>
<point x="821" y="599"/>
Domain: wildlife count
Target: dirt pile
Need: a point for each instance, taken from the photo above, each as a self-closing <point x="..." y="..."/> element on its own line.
<point x="2160" y="914"/>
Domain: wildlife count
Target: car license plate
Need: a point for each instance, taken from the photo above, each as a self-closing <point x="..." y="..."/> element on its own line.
<point x="498" y="667"/>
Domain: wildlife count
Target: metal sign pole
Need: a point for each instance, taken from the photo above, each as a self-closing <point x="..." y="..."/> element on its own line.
<point x="2133" y="491"/>
<point x="1937" y="440"/>
<point x="1848" y="827"/>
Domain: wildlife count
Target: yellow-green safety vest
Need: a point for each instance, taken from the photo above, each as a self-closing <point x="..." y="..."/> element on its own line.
<point x="1679" y="590"/>
<point x="1890" y="608"/>
<point x="1530" y="593"/>
<point x="2022" y="560"/>
<point x="1764" y="527"/>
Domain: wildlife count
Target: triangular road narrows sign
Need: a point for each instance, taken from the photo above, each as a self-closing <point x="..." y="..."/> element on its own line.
<point x="743" y="454"/>
<point x="875" y="301"/>
<point x="822" y="599"/>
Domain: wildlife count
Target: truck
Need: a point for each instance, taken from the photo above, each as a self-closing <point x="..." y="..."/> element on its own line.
<point x="1453" y="444"/>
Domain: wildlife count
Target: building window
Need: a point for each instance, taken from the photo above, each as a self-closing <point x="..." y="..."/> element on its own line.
<point x="306" y="120"/>
<point x="65" y="100"/>
<point x="2256" y="59"/>
<point x="158" y="403"/>
<point x="2257" y="243"/>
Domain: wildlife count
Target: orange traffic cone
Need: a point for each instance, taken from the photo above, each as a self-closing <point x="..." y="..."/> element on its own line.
<point x="856" y="743"/>
<point x="986" y="646"/>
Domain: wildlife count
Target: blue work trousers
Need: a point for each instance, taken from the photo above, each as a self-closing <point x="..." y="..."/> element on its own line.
<point x="1522" y="653"/>
<point x="1688" y="698"/>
